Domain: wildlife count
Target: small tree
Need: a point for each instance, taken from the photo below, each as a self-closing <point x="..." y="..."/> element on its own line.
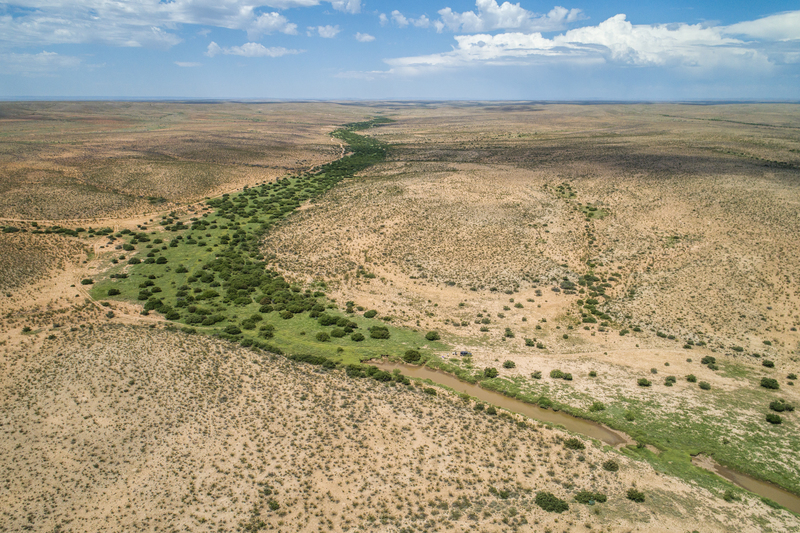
<point x="432" y="336"/>
<point x="490" y="372"/>
<point x="509" y="364"/>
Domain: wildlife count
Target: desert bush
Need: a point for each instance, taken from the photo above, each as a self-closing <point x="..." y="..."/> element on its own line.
<point x="643" y="382"/>
<point x="770" y="383"/>
<point x="536" y="375"/>
<point x="412" y="356"/>
<point x="691" y="378"/>
<point x="592" y="374"/>
<point x="379" y="332"/>
<point x="635" y="495"/>
<point x="550" y="502"/>
<point x="611" y="466"/>
<point x="370" y="314"/>
<point x="544" y="402"/>
<point x="772" y="418"/>
<point x="509" y="364"/>
<point x="508" y="333"/>
<point x="781" y="406"/>
<point x="338" y="333"/>
<point x="286" y="314"/>
<point x="567" y="376"/>
<point x="704" y="385"/>
<point x="113" y="292"/>
<point x="597" y="406"/>
<point x="87" y="281"/>
<point x="479" y="406"/>
<point x="490" y="372"/>
<point x="556" y="374"/>
<point x="323" y="337"/>
<point x="491" y="410"/>
<point x="587" y="497"/>
<point x="530" y="342"/>
<point x="248" y="324"/>
<point x="232" y="330"/>
<point x="791" y="376"/>
<point x="430" y="391"/>
<point x="574" y="443"/>
<point x="767" y="363"/>
<point x="432" y="336"/>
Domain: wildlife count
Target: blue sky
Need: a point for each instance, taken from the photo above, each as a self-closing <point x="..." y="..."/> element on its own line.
<point x="439" y="49"/>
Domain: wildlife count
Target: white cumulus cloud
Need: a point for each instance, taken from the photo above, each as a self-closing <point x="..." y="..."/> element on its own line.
<point x="328" y="32"/>
<point x="493" y="16"/>
<point x="148" y="23"/>
<point x="364" y="37"/>
<point x="187" y="64"/>
<point x="618" y="41"/>
<point x="249" y="50"/>
<point x="41" y="64"/>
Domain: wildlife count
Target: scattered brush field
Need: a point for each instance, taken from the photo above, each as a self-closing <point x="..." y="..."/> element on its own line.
<point x="88" y="160"/>
<point x="118" y="428"/>
<point x="634" y="265"/>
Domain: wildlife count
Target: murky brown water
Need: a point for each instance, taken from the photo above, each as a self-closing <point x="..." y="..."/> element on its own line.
<point x="574" y="424"/>
<point x="586" y="427"/>
<point x="762" y="488"/>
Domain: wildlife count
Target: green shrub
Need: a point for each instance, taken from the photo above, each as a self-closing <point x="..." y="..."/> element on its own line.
<point x="567" y="376"/>
<point x="379" y="332"/>
<point x="429" y="391"/>
<point x="611" y="466"/>
<point x="691" y="378"/>
<point x="574" y="443"/>
<point x="509" y="333"/>
<point x="370" y="314"/>
<point x="286" y="314"/>
<point x="635" y="495"/>
<point x="357" y="337"/>
<point x="536" y="375"/>
<point x="587" y="497"/>
<point x="791" y="376"/>
<point x="412" y="356"/>
<point x="490" y="372"/>
<point x="781" y="406"/>
<point x="509" y="364"/>
<point x="491" y="410"/>
<point x="432" y="336"/>
<point x="323" y="337"/>
<point x="544" y="402"/>
<point x="113" y="292"/>
<point x="772" y="418"/>
<point x="556" y="374"/>
<point x="550" y="503"/>
<point x="704" y="385"/>
<point x="767" y="363"/>
<point x="597" y="406"/>
<point x="530" y="342"/>
<point x="479" y="406"/>
<point x="769" y="383"/>
<point x="248" y="324"/>
<point x="87" y="281"/>
<point x="643" y="382"/>
<point x="592" y="374"/>
<point x="232" y="330"/>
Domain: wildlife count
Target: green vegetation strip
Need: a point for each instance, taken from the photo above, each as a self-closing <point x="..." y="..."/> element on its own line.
<point x="208" y="275"/>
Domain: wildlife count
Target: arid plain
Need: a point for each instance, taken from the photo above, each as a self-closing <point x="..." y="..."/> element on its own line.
<point x="618" y="244"/>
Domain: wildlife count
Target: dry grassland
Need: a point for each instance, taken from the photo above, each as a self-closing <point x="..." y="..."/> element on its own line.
<point x="687" y="215"/>
<point x="90" y="160"/>
<point x="701" y="219"/>
<point x="120" y="428"/>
